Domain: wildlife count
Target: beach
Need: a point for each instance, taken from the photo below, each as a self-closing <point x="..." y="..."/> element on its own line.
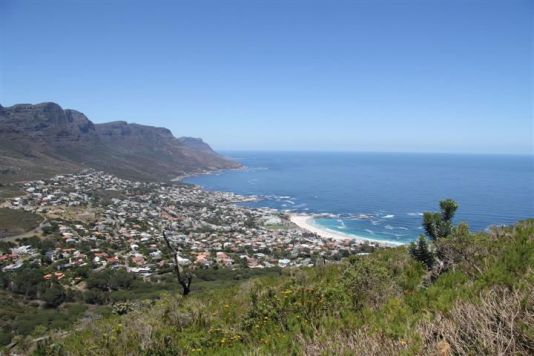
<point x="306" y="222"/>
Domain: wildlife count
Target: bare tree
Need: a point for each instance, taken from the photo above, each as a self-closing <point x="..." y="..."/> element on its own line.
<point x="184" y="279"/>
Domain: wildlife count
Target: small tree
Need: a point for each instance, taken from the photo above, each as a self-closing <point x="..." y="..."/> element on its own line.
<point x="184" y="279"/>
<point x="54" y="295"/>
<point x="120" y="279"/>
<point x="422" y="253"/>
<point x="437" y="225"/>
<point x="27" y="281"/>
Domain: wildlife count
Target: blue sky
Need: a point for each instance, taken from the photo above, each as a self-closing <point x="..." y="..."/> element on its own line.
<point x="376" y="75"/>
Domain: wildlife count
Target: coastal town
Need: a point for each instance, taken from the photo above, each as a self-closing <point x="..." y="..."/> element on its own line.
<point x="96" y="220"/>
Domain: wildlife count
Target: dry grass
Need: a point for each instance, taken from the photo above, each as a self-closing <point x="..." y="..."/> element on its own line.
<point x="354" y="342"/>
<point x="500" y="324"/>
<point x="17" y="221"/>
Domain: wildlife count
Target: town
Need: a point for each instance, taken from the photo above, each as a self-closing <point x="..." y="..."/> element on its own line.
<point x="101" y="221"/>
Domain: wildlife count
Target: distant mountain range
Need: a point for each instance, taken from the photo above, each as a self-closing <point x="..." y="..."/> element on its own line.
<point x="38" y="141"/>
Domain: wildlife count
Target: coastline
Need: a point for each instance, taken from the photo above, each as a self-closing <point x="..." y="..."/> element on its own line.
<point x="303" y="221"/>
<point x="306" y="222"/>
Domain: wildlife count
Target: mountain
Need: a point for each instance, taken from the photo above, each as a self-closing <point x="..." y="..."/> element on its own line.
<point x="37" y="141"/>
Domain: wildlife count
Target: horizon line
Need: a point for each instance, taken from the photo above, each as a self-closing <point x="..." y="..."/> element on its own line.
<point x="530" y="154"/>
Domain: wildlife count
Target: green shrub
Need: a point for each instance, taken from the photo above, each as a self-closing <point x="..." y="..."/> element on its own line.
<point x="54" y="295"/>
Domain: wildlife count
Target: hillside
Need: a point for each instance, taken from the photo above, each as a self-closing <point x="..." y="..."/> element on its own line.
<point x="384" y="303"/>
<point x="38" y="141"/>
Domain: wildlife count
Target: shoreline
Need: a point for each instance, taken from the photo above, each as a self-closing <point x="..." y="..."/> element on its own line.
<point x="302" y="220"/>
<point x="306" y="222"/>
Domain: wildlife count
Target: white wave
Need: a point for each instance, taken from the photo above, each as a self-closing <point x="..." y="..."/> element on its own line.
<point x="341" y="222"/>
<point x="370" y="231"/>
<point x="389" y="227"/>
<point x="389" y="216"/>
<point x="415" y="214"/>
<point x="327" y="215"/>
<point x="255" y="169"/>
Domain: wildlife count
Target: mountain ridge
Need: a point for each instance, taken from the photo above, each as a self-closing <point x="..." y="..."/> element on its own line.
<point x="40" y="140"/>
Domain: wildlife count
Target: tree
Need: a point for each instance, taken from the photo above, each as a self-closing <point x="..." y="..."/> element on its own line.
<point x="421" y="252"/>
<point x="98" y="280"/>
<point x="183" y="279"/>
<point x="439" y="225"/>
<point x="27" y="282"/>
<point x="93" y="296"/>
<point x="54" y="295"/>
<point x="120" y="279"/>
<point x="109" y="280"/>
<point x="448" y="209"/>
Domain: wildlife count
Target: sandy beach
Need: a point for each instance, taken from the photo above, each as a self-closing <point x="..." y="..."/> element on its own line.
<point x="306" y="222"/>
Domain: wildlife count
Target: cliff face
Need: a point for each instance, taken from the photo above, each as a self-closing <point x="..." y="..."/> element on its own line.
<point x="37" y="141"/>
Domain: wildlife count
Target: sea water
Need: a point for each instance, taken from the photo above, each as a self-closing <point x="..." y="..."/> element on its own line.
<point x="381" y="196"/>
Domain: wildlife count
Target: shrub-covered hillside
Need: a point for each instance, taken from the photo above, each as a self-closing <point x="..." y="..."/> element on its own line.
<point x="479" y="301"/>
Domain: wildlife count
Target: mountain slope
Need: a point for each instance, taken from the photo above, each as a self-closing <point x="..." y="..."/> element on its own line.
<point x="384" y="303"/>
<point x="37" y="141"/>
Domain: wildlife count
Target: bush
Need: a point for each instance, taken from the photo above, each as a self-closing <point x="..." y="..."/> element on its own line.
<point x="27" y="281"/>
<point x="369" y="282"/>
<point x="120" y="279"/>
<point x="110" y="280"/>
<point x="54" y="295"/>
<point x="95" y="297"/>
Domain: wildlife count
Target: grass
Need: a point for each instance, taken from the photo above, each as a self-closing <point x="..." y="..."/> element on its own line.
<point x="204" y="281"/>
<point x="8" y="191"/>
<point x="14" y="222"/>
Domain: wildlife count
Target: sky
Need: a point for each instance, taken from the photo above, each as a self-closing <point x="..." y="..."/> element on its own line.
<point x="375" y="75"/>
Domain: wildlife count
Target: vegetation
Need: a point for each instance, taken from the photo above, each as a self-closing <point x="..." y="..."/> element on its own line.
<point x="14" y="222"/>
<point x="383" y="303"/>
<point x="23" y="320"/>
<point x="437" y="226"/>
<point x="32" y="306"/>
<point x="8" y="191"/>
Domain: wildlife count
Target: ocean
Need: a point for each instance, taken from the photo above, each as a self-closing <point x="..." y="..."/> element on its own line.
<point x="381" y="196"/>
